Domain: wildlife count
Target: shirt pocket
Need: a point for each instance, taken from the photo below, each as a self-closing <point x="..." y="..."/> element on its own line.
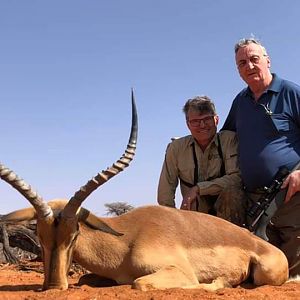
<point x="281" y="122"/>
<point x="231" y="163"/>
<point x="186" y="170"/>
<point x="213" y="166"/>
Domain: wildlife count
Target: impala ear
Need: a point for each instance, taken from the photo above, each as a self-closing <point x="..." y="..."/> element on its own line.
<point x="94" y="222"/>
<point x="25" y="214"/>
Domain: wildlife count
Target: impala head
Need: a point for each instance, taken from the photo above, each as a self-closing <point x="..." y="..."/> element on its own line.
<point x="57" y="221"/>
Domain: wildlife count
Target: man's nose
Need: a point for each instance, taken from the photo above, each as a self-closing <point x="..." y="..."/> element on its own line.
<point x="250" y="64"/>
<point x="202" y="123"/>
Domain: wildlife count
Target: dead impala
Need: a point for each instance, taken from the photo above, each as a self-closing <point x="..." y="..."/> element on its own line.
<point x="151" y="247"/>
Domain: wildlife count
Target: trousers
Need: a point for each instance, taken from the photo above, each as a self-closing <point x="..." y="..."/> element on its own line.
<point x="283" y="231"/>
<point x="228" y="205"/>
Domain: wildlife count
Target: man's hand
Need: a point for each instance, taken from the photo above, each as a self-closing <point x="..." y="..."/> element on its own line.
<point x="190" y="198"/>
<point x="292" y="182"/>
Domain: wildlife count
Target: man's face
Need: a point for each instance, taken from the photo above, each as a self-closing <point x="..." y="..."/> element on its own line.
<point x="203" y="127"/>
<point x="253" y="65"/>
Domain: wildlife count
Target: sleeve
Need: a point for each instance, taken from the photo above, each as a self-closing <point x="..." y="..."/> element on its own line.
<point x="168" y="180"/>
<point x="232" y="172"/>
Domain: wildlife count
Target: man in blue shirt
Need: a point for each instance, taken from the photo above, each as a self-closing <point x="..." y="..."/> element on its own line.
<point x="266" y="118"/>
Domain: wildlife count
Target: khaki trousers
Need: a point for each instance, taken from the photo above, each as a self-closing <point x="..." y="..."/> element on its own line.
<point x="229" y="205"/>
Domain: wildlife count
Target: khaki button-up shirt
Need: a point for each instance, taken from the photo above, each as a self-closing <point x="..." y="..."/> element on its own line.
<point x="179" y="163"/>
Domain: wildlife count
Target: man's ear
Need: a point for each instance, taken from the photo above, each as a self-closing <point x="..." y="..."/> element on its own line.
<point x="216" y="118"/>
<point x="268" y="62"/>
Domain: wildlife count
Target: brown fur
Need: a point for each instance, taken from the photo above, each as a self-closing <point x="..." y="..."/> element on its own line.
<point x="156" y="247"/>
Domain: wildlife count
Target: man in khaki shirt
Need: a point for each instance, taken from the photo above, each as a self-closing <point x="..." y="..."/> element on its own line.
<point x="206" y="165"/>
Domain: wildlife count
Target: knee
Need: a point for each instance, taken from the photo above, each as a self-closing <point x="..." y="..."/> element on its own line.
<point x="236" y="192"/>
<point x="233" y="198"/>
<point x="230" y="205"/>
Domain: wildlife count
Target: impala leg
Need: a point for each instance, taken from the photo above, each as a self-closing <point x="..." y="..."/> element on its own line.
<point x="215" y="285"/>
<point x="165" y="278"/>
<point x="271" y="269"/>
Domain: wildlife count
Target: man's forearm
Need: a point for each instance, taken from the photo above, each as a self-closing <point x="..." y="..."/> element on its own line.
<point x="215" y="186"/>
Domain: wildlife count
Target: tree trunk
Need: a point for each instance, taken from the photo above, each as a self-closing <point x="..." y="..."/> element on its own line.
<point x="9" y="256"/>
<point x="20" y="236"/>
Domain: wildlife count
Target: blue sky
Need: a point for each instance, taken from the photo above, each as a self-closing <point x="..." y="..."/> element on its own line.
<point x="67" y="68"/>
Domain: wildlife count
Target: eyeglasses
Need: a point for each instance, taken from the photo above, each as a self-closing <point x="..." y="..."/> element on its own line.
<point x="197" y="122"/>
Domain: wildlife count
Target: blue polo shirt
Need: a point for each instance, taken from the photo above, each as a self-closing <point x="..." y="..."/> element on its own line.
<point x="268" y="131"/>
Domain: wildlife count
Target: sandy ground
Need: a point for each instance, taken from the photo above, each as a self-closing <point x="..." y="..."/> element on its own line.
<point x="25" y="281"/>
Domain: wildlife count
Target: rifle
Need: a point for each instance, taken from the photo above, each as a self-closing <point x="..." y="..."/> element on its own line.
<point x="259" y="208"/>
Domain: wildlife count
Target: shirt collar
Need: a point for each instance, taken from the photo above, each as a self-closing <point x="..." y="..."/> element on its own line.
<point x="275" y="86"/>
<point x="213" y="141"/>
